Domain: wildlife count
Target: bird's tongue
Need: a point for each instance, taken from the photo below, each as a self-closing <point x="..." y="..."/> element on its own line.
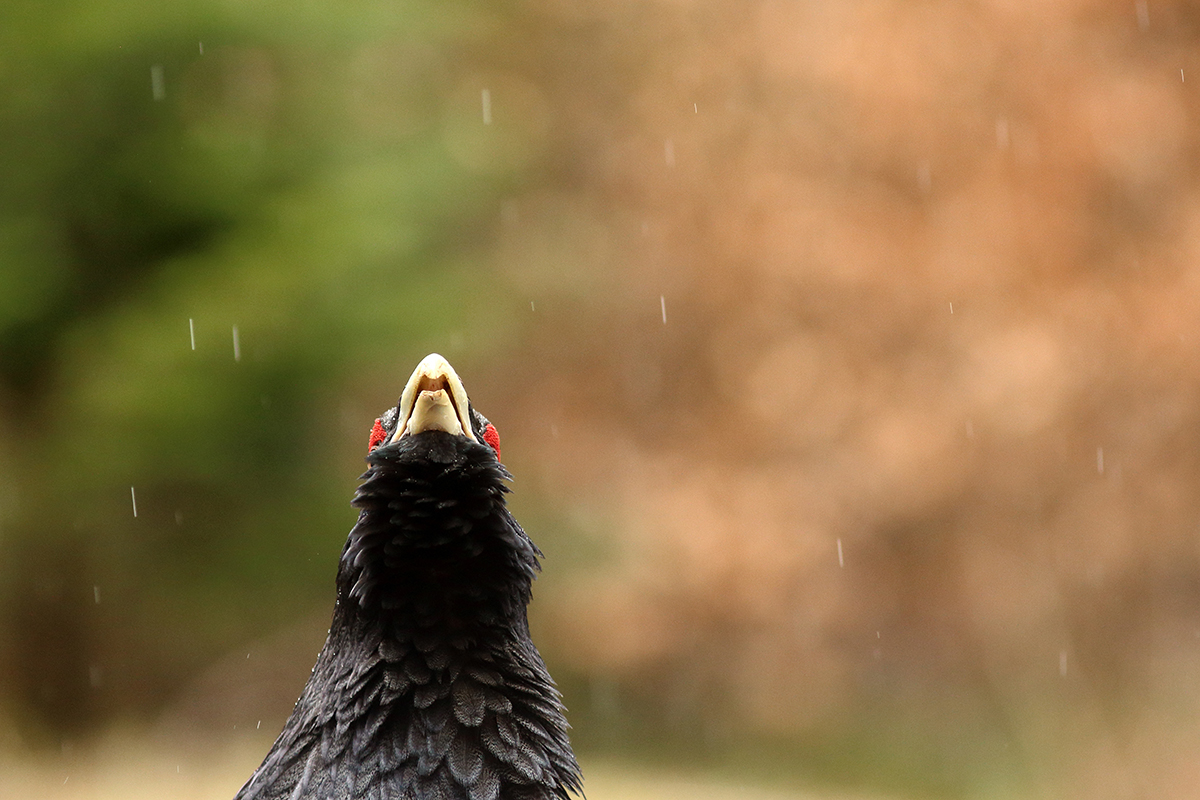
<point x="434" y="411"/>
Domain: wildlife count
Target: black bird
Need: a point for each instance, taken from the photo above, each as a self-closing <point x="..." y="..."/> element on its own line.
<point x="428" y="685"/>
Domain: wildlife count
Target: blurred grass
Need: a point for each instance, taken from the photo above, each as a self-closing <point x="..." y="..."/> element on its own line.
<point x="126" y="768"/>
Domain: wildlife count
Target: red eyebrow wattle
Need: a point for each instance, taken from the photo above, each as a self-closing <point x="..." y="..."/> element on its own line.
<point x="492" y="437"/>
<point x="378" y="434"/>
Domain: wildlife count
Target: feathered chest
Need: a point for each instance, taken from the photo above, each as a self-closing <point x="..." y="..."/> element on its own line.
<point x="430" y="719"/>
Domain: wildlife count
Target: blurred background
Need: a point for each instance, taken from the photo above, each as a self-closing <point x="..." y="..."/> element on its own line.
<point x="845" y="354"/>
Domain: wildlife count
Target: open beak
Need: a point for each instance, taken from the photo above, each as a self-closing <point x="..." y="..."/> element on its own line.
<point x="434" y="400"/>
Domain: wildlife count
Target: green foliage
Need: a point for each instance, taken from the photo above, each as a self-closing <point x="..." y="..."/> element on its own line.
<point x="298" y="188"/>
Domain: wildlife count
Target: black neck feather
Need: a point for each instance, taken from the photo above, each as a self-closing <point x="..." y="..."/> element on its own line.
<point x="435" y="546"/>
<point x="428" y="685"/>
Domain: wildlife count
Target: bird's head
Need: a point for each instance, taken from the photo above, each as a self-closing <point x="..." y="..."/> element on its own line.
<point x="434" y="399"/>
<point x="432" y="511"/>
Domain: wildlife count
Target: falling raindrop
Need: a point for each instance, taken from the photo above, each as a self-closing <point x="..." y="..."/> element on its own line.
<point x="192" y="331"/>
<point x="133" y="497"/>
<point x="96" y="594"/>
<point x="1062" y="663"/>
<point x="158" y="87"/>
<point x="662" y="304"/>
<point x="841" y="560"/>
<point x="1100" y="460"/>
<point x="486" y="96"/>
<point x="237" y="349"/>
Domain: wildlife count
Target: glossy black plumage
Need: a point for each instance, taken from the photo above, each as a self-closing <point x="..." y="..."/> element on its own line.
<point x="428" y="685"/>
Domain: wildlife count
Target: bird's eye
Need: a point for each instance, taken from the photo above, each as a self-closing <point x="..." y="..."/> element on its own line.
<point x="378" y="434"/>
<point x="492" y="438"/>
